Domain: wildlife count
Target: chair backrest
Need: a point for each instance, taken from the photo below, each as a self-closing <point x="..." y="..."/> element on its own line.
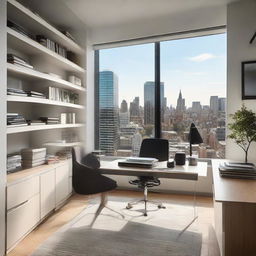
<point x="156" y="148"/>
<point x="77" y="154"/>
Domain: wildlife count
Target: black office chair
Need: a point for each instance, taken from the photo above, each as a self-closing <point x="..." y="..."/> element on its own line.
<point x="155" y="148"/>
<point x="88" y="180"/>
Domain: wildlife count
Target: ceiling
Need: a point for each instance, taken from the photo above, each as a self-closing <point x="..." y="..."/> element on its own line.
<point x="100" y="13"/>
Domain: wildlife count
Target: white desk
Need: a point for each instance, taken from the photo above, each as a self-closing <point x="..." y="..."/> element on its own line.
<point x="159" y="171"/>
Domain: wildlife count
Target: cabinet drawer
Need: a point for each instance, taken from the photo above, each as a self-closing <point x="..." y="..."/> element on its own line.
<point x="62" y="183"/>
<point x="21" y="219"/>
<point x="22" y="191"/>
<point x="47" y="192"/>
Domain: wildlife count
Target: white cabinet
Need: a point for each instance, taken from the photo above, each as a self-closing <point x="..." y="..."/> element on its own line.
<point x="21" y="219"/>
<point x="47" y="192"/>
<point x="22" y="191"/>
<point x="62" y="183"/>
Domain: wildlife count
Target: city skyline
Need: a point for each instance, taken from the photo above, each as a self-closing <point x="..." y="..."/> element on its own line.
<point x="191" y="65"/>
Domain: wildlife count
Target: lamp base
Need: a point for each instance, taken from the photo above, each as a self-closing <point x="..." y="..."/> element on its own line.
<point x="192" y="161"/>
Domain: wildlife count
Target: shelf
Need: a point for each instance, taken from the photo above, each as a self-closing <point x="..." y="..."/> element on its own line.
<point x="35" y="100"/>
<point x="38" y="26"/>
<point x="30" y="47"/>
<point x="29" y="128"/>
<point x="33" y="75"/>
<point x="62" y="145"/>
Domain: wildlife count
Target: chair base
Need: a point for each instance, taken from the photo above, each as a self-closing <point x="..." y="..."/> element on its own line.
<point x="145" y="201"/>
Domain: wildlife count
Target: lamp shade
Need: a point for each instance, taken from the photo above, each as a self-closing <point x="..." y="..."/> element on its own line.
<point x="194" y="136"/>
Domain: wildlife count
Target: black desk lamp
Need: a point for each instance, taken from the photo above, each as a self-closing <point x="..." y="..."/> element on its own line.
<point x="194" y="137"/>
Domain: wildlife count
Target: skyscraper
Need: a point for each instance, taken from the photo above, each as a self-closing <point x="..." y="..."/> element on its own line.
<point x="108" y="112"/>
<point x="135" y="107"/>
<point x="149" y="101"/>
<point x="222" y="104"/>
<point x="124" y="107"/>
<point x="214" y="104"/>
<point x="180" y="103"/>
<point x="124" y="114"/>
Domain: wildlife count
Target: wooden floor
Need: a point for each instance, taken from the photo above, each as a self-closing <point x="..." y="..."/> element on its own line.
<point x="77" y="203"/>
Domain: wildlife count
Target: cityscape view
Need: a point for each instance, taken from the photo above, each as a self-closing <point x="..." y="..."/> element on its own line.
<point x="193" y="75"/>
<point x="122" y="128"/>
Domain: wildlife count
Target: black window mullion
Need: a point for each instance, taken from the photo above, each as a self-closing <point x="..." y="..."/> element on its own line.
<point x="157" y="92"/>
<point x="96" y="99"/>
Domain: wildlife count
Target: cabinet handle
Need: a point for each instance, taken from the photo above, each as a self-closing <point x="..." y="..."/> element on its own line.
<point x="17" y="206"/>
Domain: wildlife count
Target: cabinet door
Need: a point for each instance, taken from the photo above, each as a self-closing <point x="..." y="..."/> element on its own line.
<point x="47" y="192"/>
<point x="62" y="183"/>
<point x="21" y="219"/>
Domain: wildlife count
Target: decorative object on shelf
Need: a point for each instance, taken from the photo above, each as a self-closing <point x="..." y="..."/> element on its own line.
<point x="52" y="159"/>
<point x="194" y="137"/>
<point x="75" y="80"/>
<point x="180" y="158"/>
<point x="35" y="94"/>
<point x="18" y="28"/>
<point x="243" y="129"/>
<point x="248" y="80"/>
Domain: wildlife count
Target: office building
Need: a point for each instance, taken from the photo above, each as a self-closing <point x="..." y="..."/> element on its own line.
<point x="149" y="101"/>
<point x="214" y="104"/>
<point x="180" y="103"/>
<point x="222" y="104"/>
<point x="108" y="112"/>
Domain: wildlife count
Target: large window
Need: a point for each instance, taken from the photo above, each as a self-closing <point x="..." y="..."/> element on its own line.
<point x="192" y="88"/>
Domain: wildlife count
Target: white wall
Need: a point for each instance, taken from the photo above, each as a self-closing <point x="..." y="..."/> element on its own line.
<point x="241" y="25"/>
<point x="2" y="122"/>
<point x="194" y="19"/>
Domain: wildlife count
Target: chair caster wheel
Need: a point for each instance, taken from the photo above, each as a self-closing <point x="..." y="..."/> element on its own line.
<point x="129" y="206"/>
<point x="160" y="206"/>
<point x="145" y="214"/>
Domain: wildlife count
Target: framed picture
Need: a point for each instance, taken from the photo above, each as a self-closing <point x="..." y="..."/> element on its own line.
<point x="249" y="80"/>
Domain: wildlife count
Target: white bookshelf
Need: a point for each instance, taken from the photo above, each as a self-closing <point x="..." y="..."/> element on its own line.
<point x="31" y="47"/>
<point x="45" y="62"/>
<point x="11" y="98"/>
<point x="31" y="128"/>
<point x="34" y="75"/>
<point x="25" y="17"/>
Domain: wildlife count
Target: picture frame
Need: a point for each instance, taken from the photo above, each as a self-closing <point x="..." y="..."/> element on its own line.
<point x="248" y="80"/>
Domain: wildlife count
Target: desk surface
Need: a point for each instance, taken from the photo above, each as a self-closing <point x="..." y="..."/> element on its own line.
<point x="232" y="190"/>
<point x="160" y="170"/>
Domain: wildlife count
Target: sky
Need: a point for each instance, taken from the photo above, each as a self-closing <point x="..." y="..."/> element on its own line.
<point x="196" y="66"/>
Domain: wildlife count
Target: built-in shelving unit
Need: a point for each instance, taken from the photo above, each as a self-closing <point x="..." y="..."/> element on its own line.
<point x="50" y="70"/>
<point x="44" y="80"/>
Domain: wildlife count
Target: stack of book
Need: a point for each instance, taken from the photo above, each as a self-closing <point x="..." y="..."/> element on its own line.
<point x="50" y="120"/>
<point x="35" y="94"/>
<point x="64" y="154"/>
<point x="237" y="170"/>
<point x="13" y="59"/>
<point x="33" y="157"/>
<point x="18" y="28"/>
<point x="43" y="40"/>
<point x="62" y="95"/>
<point x="35" y="122"/>
<point x="52" y="159"/>
<point x="13" y="162"/>
<point x="15" y="120"/>
<point x="16" y="92"/>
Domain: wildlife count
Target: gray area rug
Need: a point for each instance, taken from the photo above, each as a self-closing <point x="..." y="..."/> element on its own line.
<point x="159" y="234"/>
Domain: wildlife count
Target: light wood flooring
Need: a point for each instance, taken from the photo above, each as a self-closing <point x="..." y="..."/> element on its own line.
<point x="77" y="203"/>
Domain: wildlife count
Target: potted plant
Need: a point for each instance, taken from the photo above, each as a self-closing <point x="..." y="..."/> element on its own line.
<point x="243" y="129"/>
